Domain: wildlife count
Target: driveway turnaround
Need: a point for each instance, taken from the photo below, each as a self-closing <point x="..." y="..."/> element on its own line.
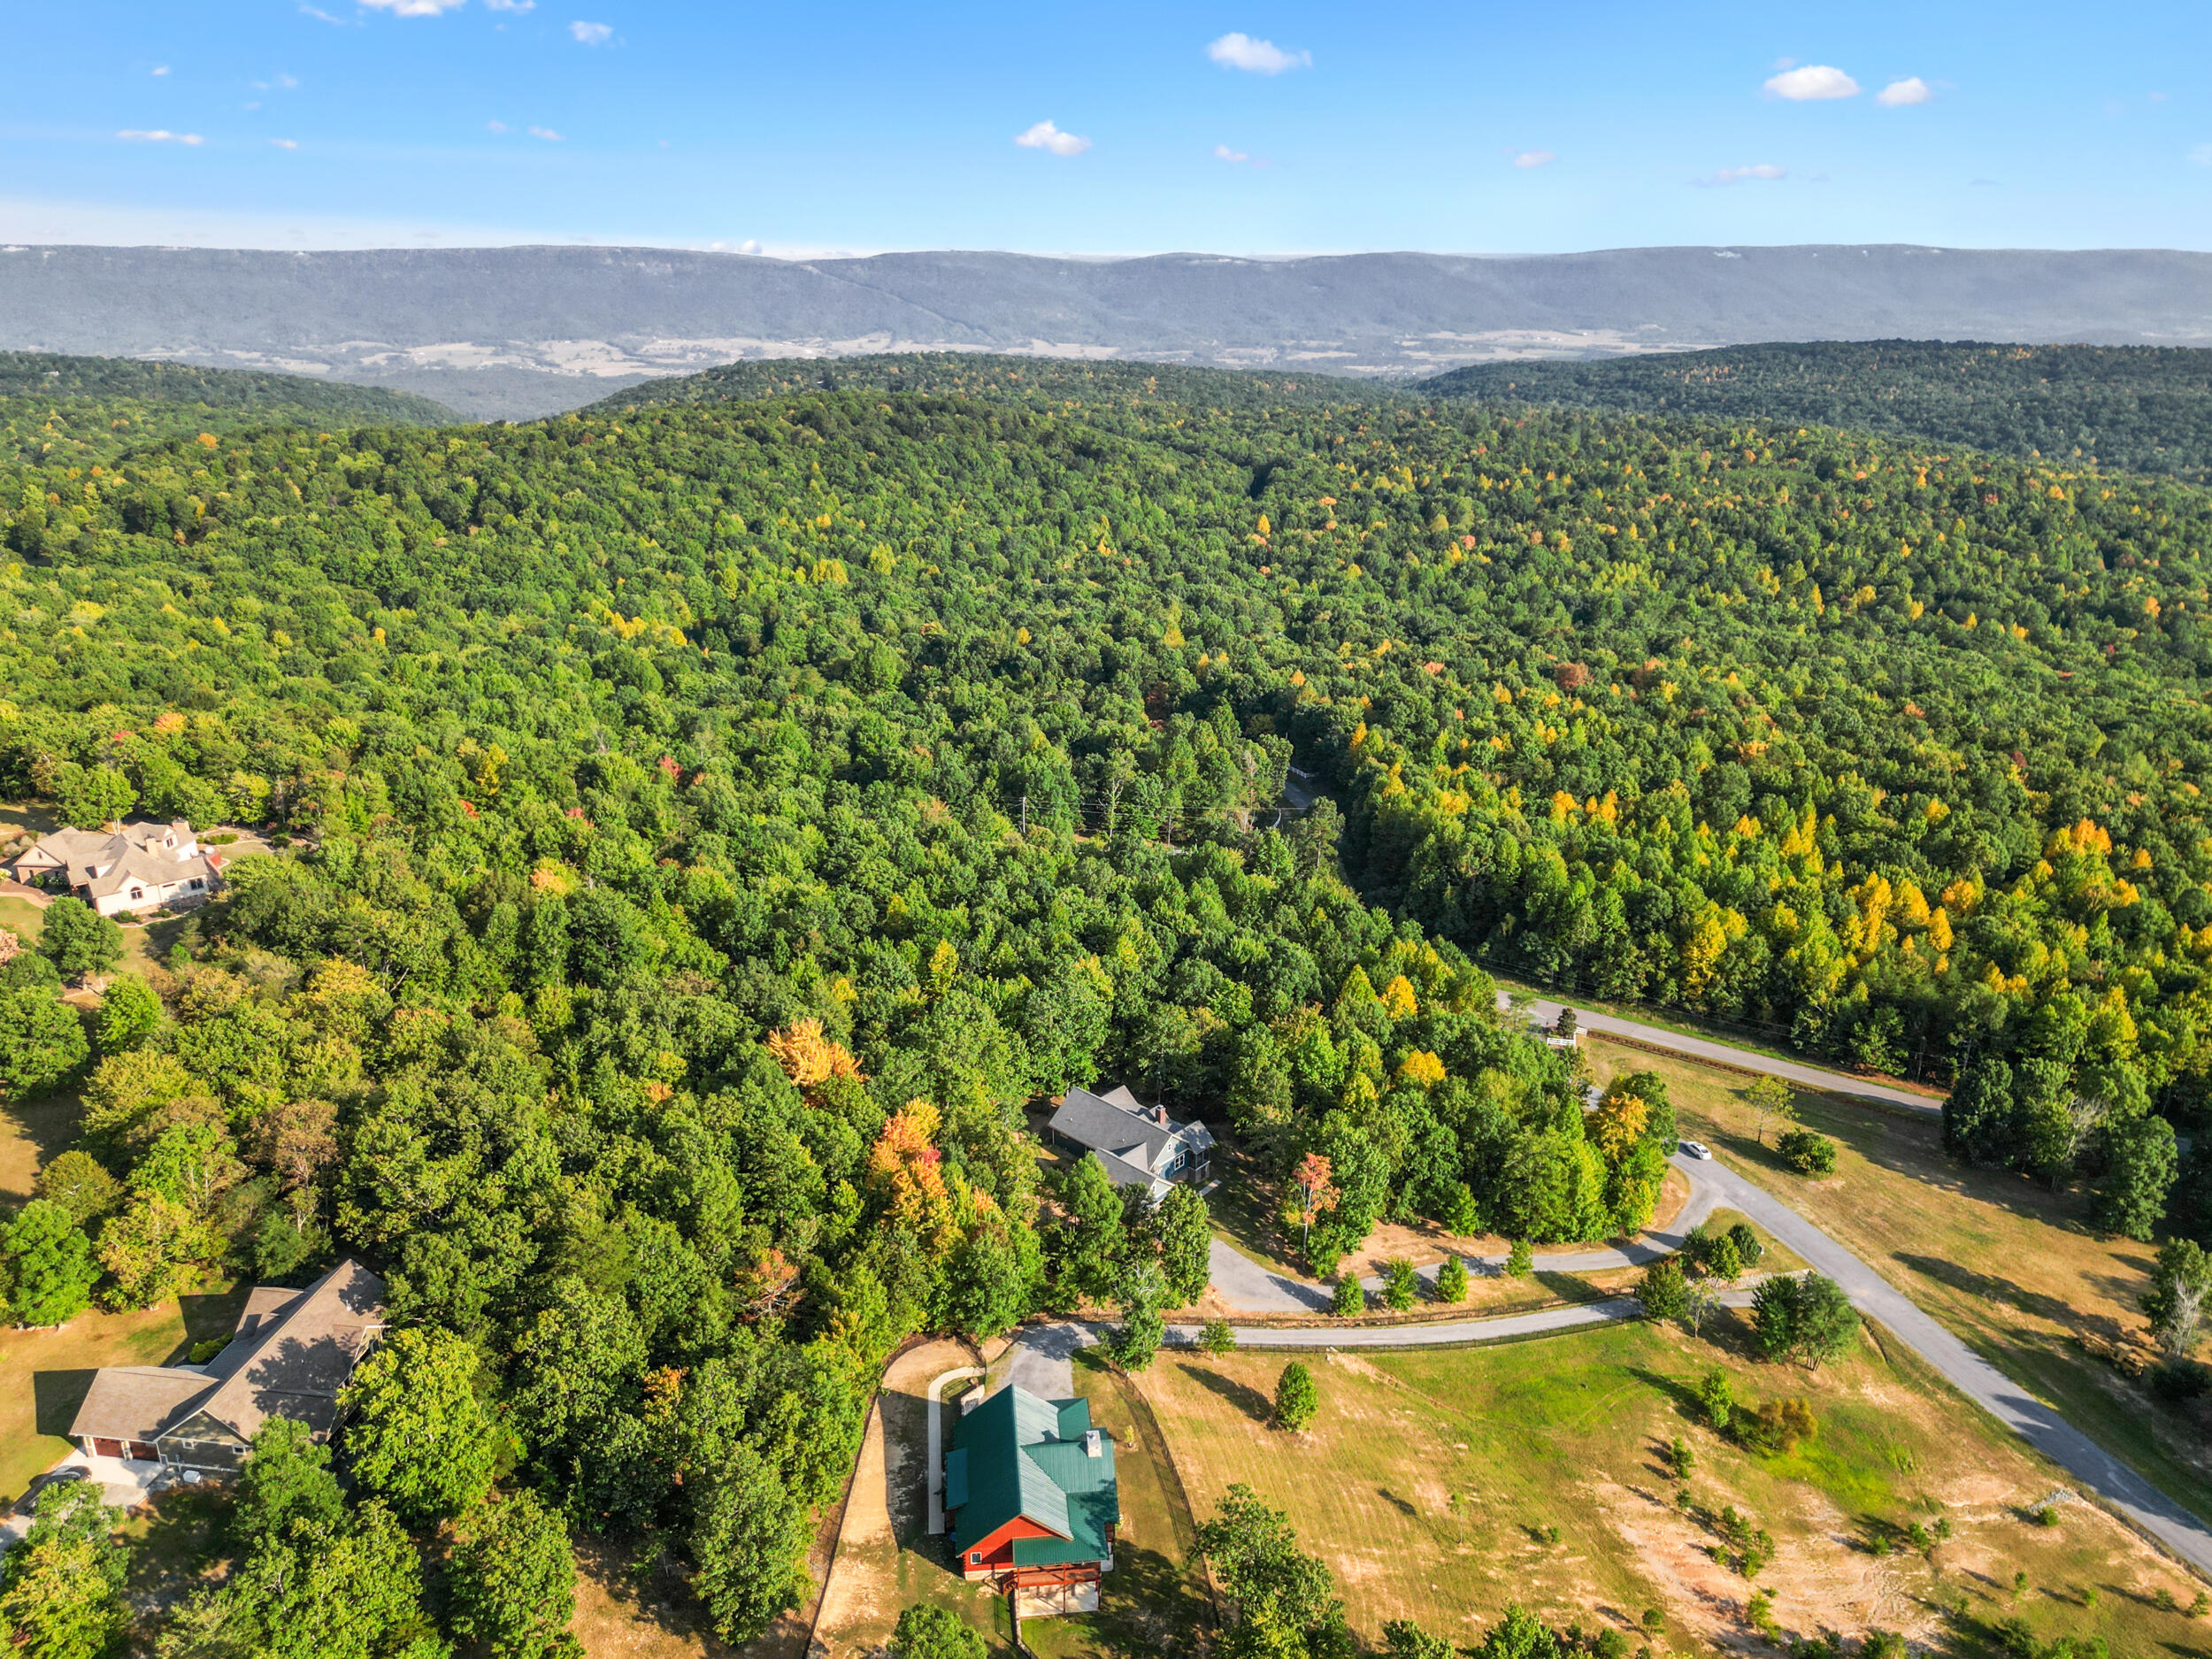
<point x="1818" y="1077"/>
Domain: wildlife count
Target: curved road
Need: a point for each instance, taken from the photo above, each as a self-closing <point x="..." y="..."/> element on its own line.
<point x="1713" y="1183"/>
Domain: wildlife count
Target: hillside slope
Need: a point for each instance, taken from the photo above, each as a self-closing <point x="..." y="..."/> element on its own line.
<point x="513" y="332"/>
<point x="2140" y="407"/>
<point x="79" y="411"/>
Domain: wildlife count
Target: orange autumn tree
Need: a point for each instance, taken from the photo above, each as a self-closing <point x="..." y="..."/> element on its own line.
<point x="906" y="1168"/>
<point x="809" y="1058"/>
<point x="1313" y="1192"/>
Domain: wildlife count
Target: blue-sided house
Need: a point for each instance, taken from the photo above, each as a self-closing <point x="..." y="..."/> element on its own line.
<point x="1029" y="1492"/>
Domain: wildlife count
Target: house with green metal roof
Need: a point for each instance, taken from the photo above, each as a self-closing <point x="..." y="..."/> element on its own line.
<point x="1030" y="1492"/>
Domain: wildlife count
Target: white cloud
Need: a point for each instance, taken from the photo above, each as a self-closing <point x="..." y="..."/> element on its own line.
<point x="1744" y="175"/>
<point x="547" y="133"/>
<point x="161" y="69"/>
<point x="158" y="135"/>
<point x="1045" y="135"/>
<point x="510" y="6"/>
<point x="286" y="144"/>
<point x="1259" y="57"/>
<point x="1811" y="83"/>
<point x="321" y="16"/>
<point x="1221" y="152"/>
<point x="2202" y="155"/>
<point x="410" y="8"/>
<point x="1534" y="158"/>
<point x="496" y="126"/>
<point x="591" y="33"/>
<point x="1912" y="89"/>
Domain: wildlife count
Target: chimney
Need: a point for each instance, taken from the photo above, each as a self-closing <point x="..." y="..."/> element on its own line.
<point x="1090" y="1443"/>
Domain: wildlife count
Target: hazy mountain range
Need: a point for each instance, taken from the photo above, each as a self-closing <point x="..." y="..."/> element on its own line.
<point x="517" y="331"/>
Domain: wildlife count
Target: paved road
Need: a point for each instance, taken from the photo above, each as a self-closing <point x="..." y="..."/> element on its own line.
<point x="1249" y="1287"/>
<point x="1967" y="1371"/>
<point x="1975" y="1378"/>
<point x="1742" y="1059"/>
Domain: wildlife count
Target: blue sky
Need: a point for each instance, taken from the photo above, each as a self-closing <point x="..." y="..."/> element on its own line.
<point x="1250" y="128"/>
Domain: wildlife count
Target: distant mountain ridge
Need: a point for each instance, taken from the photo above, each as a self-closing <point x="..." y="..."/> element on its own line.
<point x="524" y="331"/>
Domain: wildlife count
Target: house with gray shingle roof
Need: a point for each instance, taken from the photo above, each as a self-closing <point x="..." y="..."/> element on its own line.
<point x="1030" y="1491"/>
<point x="1139" y="1145"/>
<point x="135" y="866"/>
<point x="293" y="1350"/>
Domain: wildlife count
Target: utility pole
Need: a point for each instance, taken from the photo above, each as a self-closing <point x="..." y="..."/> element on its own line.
<point x="1025" y="816"/>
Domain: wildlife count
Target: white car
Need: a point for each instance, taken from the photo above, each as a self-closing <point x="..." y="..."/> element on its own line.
<point x="1698" y="1149"/>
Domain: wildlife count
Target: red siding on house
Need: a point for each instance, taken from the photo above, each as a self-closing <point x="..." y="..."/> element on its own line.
<point x="997" y="1548"/>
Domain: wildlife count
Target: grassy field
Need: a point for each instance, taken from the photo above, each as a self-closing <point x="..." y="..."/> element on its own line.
<point x="2010" y="1266"/>
<point x="1440" y="1484"/>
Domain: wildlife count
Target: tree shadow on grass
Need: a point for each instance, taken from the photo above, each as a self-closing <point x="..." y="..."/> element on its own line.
<point x="1152" y="1604"/>
<point x="1245" y="1398"/>
<point x="1680" y="1394"/>
<point x="210" y="1317"/>
<point x="1568" y="1287"/>
<point x="183" y="1535"/>
<point x="56" y="1395"/>
<point x="1989" y="1287"/>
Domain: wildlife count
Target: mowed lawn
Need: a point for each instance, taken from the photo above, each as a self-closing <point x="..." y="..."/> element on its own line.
<point x="1431" y="1479"/>
<point x="2012" y="1268"/>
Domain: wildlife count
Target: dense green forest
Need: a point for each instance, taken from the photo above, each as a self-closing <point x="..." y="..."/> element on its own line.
<point x="80" y="411"/>
<point x="708" y="827"/>
<point x="2142" y="409"/>
<point x="1041" y="382"/>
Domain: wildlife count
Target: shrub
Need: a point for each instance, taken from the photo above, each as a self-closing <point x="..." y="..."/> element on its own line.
<point x="1749" y="1251"/>
<point x="1681" y="1458"/>
<point x="1718" y="1400"/>
<point x="1520" y="1261"/>
<point x="1779" y="1425"/>
<point x="1664" y="1292"/>
<point x="934" y="1632"/>
<point x="1216" y="1337"/>
<point x="2179" y="1380"/>
<point x="1400" y="1286"/>
<point x="1349" y="1298"/>
<point x="1451" y="1280"/>
<point x="1808" y="1153"/>
<point x="1296" y="1399"/>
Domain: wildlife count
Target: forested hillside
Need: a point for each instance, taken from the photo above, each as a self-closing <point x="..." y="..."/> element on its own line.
<point x="2142" y="408"/>
<point x="77" y="412"/>
<point x="1040" y="380"/>
<point x="710" y="825"/>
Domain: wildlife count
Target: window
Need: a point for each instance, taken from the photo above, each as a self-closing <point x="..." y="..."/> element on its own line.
<point x="975" y="1558"/>
<point x="138" y="893"/>
<point x="195" y="884"/>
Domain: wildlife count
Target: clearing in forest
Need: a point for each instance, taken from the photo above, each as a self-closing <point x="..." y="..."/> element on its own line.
<point x="1440" y="1484"/>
